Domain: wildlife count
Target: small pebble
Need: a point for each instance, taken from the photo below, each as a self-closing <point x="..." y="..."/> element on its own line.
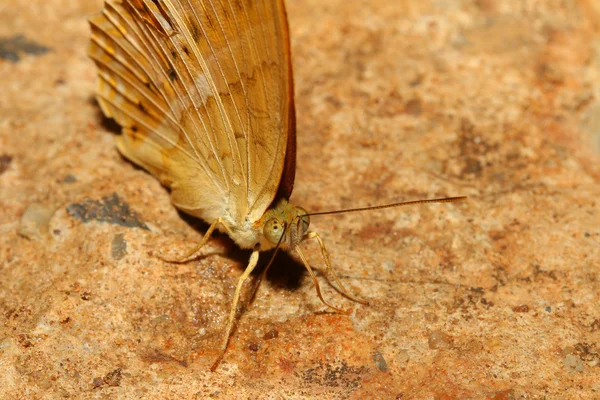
<point x="35" y="220"/>
<point x="440" y="340"/>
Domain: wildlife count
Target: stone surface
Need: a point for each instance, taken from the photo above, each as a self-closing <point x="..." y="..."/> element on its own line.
<point x="497" y="298"/>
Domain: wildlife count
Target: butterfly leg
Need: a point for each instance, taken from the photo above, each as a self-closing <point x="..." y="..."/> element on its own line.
<point x="232" y="313"/>
<point x="189" y="255"/>
<point x="262" y="277"/>
<point x="330" y="271"/>
<point x="315" y="281"/>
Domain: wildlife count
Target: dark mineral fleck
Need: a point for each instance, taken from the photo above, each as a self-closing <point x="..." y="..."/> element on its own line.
<point x="12" y="48"/>
<point x="109" y="209"/>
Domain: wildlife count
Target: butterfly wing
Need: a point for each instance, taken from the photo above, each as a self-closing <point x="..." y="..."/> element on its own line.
<point x="203" y="90"/>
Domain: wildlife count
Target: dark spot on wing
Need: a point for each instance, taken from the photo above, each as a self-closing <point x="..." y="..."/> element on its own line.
<point x="196" y="35"/>
<point x="172" y="74"/>
<point x="209" y="19"/>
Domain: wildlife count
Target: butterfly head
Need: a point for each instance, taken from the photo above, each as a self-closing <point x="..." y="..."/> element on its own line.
<point x="285" y="225"/>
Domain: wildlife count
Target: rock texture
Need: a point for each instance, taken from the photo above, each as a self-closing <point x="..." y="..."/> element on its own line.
<point x="494" y="298"/>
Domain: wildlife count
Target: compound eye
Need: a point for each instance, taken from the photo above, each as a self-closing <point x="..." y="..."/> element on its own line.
<point x="303" y="220"/>
<point x="273" y="230"/>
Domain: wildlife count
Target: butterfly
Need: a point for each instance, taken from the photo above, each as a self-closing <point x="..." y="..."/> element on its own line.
<point x="203" y="91"/>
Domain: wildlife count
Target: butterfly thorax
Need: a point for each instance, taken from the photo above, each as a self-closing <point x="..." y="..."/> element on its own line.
<point x="283" y="225"/>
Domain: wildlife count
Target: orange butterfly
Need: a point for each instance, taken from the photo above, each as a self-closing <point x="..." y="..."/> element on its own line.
<point x="203" y="90"/>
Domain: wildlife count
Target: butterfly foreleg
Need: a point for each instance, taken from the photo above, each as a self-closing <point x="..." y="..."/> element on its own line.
<point x="233" y="311"/>
<point x="190" y="255"/>
<point x="315" y="281"/>
<point x="330" y="271"/>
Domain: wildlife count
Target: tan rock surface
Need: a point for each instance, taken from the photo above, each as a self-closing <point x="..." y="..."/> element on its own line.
<point x="495" y="298"/>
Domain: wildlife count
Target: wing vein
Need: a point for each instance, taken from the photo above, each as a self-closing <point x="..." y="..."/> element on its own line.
<point x="148" y="127"/>
<point x="107" y="13"/>
<point x="242" y="83"/>
<point x="150" y="53"/>
<point x="218" y="99"/>
<point x="253" y="36"/>
<point x="186" y="111"/>
<point x="212" y="142"/>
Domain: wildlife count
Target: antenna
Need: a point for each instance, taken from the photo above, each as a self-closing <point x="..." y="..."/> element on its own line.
<point x="392" y="205"/>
